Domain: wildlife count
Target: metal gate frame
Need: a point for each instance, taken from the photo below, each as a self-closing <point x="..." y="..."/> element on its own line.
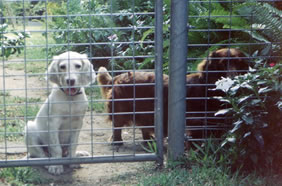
<point x="158" y="156"/>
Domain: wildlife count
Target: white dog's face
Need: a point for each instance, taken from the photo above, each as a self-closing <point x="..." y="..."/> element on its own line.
<point x="71" y="71"/>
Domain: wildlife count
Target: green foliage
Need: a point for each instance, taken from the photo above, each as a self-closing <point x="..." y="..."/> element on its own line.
<point x="15" y="110"/>
<point x="27" y="8"/>
<point x="11" y="43"/>
<point x="100" y="35"/>
<point x="256" y="109"/>
<point x="79" y="24"/>
<point x="150" y="146"/>
<point x="208" y="164"/>
<point x="225" y="23"/>
<point x="20" y="176"/>
<point x="94" y="94"/>
<point x="210" y="154"/>
<point x="233" y="23"/>
<point x="222" y="27"/>
<point x="265" y="21"/>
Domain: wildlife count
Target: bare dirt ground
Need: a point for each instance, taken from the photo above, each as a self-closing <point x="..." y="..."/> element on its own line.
<point x="88" y="174"/>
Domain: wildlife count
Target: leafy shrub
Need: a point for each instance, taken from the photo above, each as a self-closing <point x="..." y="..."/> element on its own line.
<point x="79" y="26"/>
<point x="100" y="33"/>
<point x="12" y="43"/>
<point x="255" y="109"/>
<point x="226" y="24"/>
<point x="265" y="21"/>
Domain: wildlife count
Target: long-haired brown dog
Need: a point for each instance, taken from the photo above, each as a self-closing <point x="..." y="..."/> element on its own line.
<point x="125" y="92"/>
<point x="200" y="102"/>
<point x="131" y="99"/>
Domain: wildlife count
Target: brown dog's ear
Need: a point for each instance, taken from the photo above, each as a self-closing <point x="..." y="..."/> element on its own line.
<point x="52" y="72"/>
<point x="214" y="55"/>
<point x="201" y="66"/>
<point x="206" y="63"/>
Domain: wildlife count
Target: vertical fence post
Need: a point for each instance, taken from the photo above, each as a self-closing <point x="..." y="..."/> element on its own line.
<point x="177" y="80"/>
<point x="159" y="78"/>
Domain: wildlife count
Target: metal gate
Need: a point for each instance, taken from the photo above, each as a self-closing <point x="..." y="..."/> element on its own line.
<point x="114" y="34"/>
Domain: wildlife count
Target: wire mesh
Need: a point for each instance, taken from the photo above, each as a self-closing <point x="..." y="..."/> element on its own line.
<point x="225" y="25"/>
<point x="122" y="36"/>
<point x="111" y="34"/>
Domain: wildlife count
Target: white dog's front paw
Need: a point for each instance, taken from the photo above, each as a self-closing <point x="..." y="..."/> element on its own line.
<point x="55" y="169"/>
<point x="82" y="154"/>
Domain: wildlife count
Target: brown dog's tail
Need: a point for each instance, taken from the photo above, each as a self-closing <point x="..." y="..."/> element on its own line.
<point x="104" y="78"/>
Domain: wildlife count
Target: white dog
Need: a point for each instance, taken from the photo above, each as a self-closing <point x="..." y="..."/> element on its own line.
<point x="55" y="130"/>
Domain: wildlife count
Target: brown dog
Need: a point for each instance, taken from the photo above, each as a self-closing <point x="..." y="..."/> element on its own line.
<point x="201" y="104"/>
<point x="126" y="91"/>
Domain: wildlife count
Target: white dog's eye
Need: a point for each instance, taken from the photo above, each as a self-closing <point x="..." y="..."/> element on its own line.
<point x="63" y="67"/>
<point x="77" y="66"/>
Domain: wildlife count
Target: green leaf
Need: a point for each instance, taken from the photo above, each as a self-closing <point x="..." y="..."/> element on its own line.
<point x="246" y="85"/>
<point x="264" y="90"/>
<point x="261" y="82"/>
<point x="259" y="139"/>
<point x="223" y="112"/>
<point x="248" y="119"/>
<point x="255" y="101"/>
<point x="237" y="126"/>
<point x="235" y="88"/>
<point x="145" y="34"/>
<point x="243" y="99"/>
<point x="222" y="99"/>
<point x="279" y="104"/>
<point x="247" y="134"/>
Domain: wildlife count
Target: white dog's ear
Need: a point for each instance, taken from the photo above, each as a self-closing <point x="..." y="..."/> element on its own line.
<point x="52" y="72"/>
<point x="89" y="70"/>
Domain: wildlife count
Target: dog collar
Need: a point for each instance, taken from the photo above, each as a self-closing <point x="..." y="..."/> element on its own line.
<point x="79" y="92"/>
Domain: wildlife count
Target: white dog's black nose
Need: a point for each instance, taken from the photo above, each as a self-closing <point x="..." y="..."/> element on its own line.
<point x="70" y="82"/>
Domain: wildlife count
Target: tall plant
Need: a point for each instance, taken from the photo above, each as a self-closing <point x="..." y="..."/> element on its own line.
<point x="255" y="106"/>
<point x="12" y="43"/>
<point x="266" y="28"/>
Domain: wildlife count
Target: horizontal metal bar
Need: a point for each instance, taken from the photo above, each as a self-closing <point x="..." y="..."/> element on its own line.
<point x="248" y="58"/>
<point x="233" y="1"/>
<point x="204" y="117"/>
<point x="232" y="44"/>
<point x="146" y="126"/>
<point x="118" y="14"/>
<point x="80" y="15"/>
<point x="83" y="44"/>
<point x="90" y="101"/>
<point x="227" y="29"/>
<point x="135" y="141"/>
<point x="86" y="29"/>
<point x="96" y="114"/>
<point x="188" y="127"/>
<point x="82" y="160"/>
<point x="204" y="139"/>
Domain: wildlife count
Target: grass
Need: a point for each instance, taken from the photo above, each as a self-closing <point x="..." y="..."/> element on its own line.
<point x="14" y="112"/>
<point x="31" y="67"/>
<point x="94" y="94"/>
<point x="18" y="176"/>
<point x="198" y="176"/>
<point x="204" y="166"/>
